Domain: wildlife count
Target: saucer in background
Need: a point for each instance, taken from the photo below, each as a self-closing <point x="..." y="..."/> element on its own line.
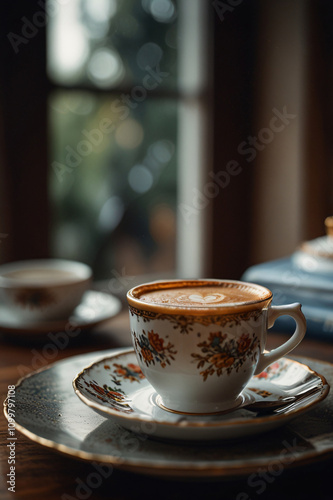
<point x="94" y="308"/>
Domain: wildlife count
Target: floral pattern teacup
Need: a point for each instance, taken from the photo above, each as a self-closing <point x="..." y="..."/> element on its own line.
<point x="199" y="355"/>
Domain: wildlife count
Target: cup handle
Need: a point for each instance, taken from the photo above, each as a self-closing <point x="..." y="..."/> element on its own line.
<point x="293" y="310"/>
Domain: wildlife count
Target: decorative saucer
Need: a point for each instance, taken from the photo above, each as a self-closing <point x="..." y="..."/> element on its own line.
<point x="116" y="388"/>
<point x="48" y="412"/>
<point x="95" y="307"/>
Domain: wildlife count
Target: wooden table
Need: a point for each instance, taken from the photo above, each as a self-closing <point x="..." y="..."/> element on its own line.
<point x="42" y="474"/>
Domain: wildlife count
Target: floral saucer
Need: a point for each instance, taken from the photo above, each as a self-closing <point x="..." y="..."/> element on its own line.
<point x="116" y="388"/>
<point x="95" y="307"/>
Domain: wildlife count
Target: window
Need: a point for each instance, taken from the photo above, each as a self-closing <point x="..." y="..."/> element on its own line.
<point x="125" y="118"/>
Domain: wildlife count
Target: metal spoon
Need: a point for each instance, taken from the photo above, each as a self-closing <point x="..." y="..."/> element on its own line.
<point x="280" y="403"/>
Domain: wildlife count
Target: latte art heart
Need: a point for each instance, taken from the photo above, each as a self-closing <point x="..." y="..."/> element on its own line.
<point x="202" y="299"/>
<point x="199" y="297"/>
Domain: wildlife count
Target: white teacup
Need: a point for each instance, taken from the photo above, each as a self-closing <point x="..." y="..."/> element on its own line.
<point x="40" y="290"/>
<point x="199" y="342"/>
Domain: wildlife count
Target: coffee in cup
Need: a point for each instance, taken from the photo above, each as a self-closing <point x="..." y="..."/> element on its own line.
<point x="199" y="342"/>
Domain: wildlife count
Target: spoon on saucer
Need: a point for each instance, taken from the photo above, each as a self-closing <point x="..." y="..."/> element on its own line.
<point x="280" y="403"/>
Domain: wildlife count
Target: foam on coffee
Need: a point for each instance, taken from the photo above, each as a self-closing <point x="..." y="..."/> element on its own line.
<point x="200" y="296"/>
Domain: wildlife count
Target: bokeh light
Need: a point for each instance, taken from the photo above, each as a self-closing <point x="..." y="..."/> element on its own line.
<point x="162" y="223"/>
<point x="111" y="213"/>
<point x="162" y="150"/>
<point x="101" y="10"/>
<point x="129" y="134"/>
<point x="140" y="179"/>
<point x="150" y="54"/>
<point x="162" y="11"/>
<point x="105" y="67"/>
